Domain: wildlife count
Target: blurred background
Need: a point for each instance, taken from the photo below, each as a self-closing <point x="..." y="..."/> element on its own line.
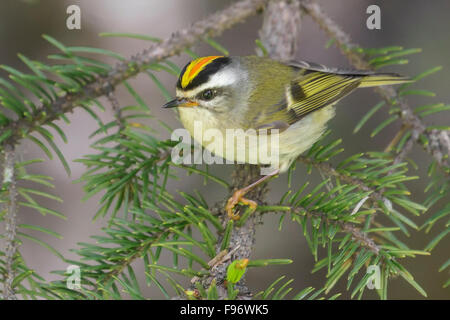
<point x="408" y="23"/>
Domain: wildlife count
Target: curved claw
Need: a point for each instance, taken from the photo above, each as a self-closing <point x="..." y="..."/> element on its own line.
<point x="238" y="197"/>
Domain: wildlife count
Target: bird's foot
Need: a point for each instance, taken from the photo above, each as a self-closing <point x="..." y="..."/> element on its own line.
<point x="236" y="198"/>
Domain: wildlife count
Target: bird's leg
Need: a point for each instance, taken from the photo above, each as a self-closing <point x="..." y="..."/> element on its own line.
<point x="238" y="196"/>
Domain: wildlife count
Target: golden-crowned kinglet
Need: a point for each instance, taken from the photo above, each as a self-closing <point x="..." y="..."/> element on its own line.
<point x="257" y="93"/>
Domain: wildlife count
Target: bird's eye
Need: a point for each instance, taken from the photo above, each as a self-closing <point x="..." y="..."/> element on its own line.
<point x="208" y="94"/>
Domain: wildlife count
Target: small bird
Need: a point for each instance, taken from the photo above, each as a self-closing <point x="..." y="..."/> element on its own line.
<point x="250" y="92"/>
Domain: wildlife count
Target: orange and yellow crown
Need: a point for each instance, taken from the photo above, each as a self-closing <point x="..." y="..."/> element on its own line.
<point x="192" y="69"/>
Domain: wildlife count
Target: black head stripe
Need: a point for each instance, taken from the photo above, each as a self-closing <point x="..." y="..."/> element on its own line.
<point x="203" y="76"/>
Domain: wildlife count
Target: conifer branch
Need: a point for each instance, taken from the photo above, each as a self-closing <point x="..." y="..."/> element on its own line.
<point x="122" y="265"/>
<point x="9" y="183"/>
<point x="329" y="170"/>
<point x="346" y="227"/>
<point x="110" y="95"/>
<point x="440" y="146"/>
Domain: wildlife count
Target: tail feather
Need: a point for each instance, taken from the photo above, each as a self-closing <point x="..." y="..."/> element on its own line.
<point x="368" y="78"/>
<point x="382" y="79"/>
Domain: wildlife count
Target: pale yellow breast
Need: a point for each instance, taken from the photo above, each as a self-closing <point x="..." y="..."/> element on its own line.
<point x="212" y="134"/>
<point x="198" y="121"/>
<point x="301" y="135"/>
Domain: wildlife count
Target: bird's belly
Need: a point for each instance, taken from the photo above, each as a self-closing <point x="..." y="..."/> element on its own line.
<point x="301" y="135"/>
<point x="245" y="146"/>
<point x="235" y="145"/>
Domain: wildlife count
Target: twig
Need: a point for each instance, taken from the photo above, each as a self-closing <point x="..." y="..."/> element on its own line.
<point x="346" y="227"/>
<point x="374" y="196"/>
<point x="360" y="236"/>
<point x="280" y="30"/>
<point x="211" y="26"/>
<point x="440" y="148"/>
<point x="222" y="257"/>
<point x="110" y="95"/>
<point x="330" y="171"/>
<point x="9" y="182"/>
<point x="120" y="265"/>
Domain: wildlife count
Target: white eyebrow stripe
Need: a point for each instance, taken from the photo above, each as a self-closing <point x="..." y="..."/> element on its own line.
<point x="223" y="78"/>
<point x="220" y="79"/>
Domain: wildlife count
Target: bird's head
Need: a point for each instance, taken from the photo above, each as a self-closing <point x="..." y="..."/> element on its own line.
<point x="214" y="83"/>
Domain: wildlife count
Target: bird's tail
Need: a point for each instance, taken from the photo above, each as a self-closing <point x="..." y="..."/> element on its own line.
<point x="381" y="79"/>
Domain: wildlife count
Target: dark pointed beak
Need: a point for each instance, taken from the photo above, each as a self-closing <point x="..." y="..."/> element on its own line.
<point x="171" y="104"/>
<point x="180" y="102"/>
